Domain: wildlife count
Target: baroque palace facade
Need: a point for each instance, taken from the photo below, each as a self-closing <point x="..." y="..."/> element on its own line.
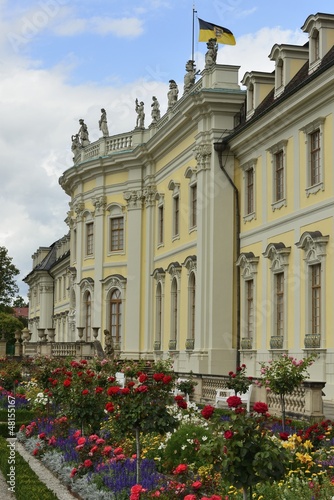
<point x="209" y="235"/>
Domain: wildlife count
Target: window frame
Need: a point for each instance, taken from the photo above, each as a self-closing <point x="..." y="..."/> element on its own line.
<point x="89" y="239"/>
<point x="119" y="231"/>
<point x="248" y="167"/>
<point x="309" y="130"/>
<point x="278" y="151"/>
<point x="116" y="327"/>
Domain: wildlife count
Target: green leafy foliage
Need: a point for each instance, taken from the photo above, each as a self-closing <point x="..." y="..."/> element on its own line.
<point x="8" y="285"/>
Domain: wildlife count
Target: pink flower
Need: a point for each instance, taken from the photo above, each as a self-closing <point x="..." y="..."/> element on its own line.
<point x="190" y="497"/>
<point x="81" y="440"/>
<point x="197" y="485"/>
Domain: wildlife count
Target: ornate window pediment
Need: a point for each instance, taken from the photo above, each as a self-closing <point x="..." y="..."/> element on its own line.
<point x="314" y="245"/>
<point x="248" y="264"/>
<point x="278" y="253"/>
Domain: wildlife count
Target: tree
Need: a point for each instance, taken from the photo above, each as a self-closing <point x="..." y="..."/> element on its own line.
<point x="8" y="285"/>
<point x="20" y="302"/>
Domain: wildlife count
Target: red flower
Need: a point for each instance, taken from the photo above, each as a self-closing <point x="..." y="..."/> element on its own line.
<point x="81" y="440"/>
<point x="85" y="392"/>
<point x="260" y="407"/>
<point x="118" y="450"/>
<point x="73" y="472"/>
<point x="167" y="379"/>
<point x="197" y="485"/>
<point x="109" y="407"/>
<point x="131" y="383"/>
<point x="142" y="388"/>
<point x="228" y="434"/>
<point x="98" y="390"/>
<point x="180" y="469"/>
<point x="114" y="389"/>
<point x="207" y="411"/>
<point x="67" y="382"/>
<point x="233" y="401"/>
<point x="190" y="497"/>
<point x="284" y="436"/>
<point x="142" y="378"/>
<point x="158" y="377"/>
<point x="88" y="463"/>
<point x="42" y="435"/>
<point x="182" y="404"/>
<point x="125" y="390"/>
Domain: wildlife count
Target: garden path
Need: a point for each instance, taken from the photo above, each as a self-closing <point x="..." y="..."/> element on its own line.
<point x="42" y="472"/>
<point x="4" y="493"/>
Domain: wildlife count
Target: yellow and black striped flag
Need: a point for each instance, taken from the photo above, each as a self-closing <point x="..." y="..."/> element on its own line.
<point x="209" y="30"/>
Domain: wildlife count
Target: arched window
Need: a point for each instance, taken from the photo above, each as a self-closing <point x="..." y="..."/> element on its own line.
<point x="191" y="302"/>
<point x="158" y="314"/>
<point x="88" y="317"/>
<point x="116" y="315"/>
<point x="174" y="311"/>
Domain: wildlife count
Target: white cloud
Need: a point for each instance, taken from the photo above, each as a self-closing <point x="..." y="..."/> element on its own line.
<point x="124" y="27"/>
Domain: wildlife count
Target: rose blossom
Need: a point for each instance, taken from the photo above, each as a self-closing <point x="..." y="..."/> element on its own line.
<point x="228" y="434"/>
<point x="260" y="407"/>
<point x="233" y="401"/>
<point x="180" y="469"/>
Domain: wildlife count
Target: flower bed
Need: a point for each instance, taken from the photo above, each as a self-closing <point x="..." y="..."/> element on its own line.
<point x="192" y="454"/>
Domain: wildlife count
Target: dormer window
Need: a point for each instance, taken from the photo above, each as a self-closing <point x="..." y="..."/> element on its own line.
<point x="319" y="28"/>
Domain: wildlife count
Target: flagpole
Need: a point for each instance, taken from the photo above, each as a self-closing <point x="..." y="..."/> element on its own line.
<point x="193" y="34"/>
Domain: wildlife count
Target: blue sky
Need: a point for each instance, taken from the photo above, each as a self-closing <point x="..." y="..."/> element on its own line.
<point x="63" y="60"/>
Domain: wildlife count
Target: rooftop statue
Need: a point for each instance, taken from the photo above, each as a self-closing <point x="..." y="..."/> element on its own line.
<point x="172" y="94"/>
<point x="140" y="114"/>
<point x="155" y="113"/>
<point x="211" y="55"/>
<point x="83" y="133"/>
<point x="190" y="76"/>
<point x="75" y="144"/>
<point x="103" y="125"/>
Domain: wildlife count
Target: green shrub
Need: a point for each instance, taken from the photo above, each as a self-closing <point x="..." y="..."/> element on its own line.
<point x="183" y="446"/>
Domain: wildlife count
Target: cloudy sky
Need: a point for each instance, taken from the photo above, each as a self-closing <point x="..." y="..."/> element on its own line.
<point x="63" y="60"/>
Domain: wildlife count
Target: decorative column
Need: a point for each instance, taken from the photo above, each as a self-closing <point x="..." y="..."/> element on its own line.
<point x="134" y="199"/>
<point x="18" y="346"/>
<point x="100" y="203"/>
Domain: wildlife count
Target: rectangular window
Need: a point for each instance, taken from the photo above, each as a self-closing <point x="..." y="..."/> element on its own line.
<point x="89" y="238"/>
<point x="315" y="172"/>
<point x="116" y="234"/>
<point x="279" y="176"/>
<point x="279" y="303"/>
<point x="160" y="225"/>
<point x="193" y="208"/>
<point x="316" y="298"/>
<point x="250" y="191"/>
<point x="176" y="212"/>
<point x="250" y="308"/>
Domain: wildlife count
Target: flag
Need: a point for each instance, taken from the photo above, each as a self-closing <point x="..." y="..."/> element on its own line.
<point x="209" y="30"/>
